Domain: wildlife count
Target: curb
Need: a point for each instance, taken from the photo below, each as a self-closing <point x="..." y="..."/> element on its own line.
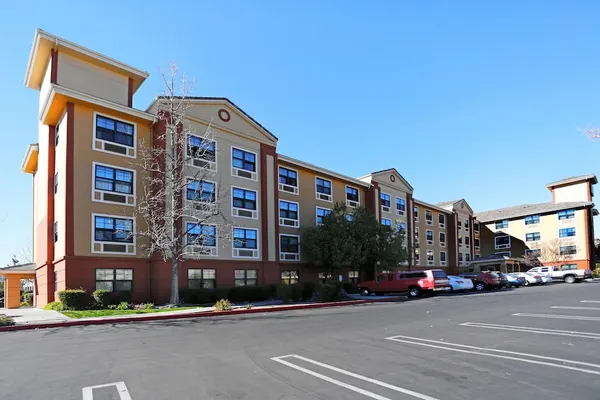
<point x="201" y="314"/>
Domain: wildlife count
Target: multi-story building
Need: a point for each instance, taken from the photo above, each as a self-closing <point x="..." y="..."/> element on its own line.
<point x="464" y="230"/>
<point x="559" y="233"/>
<point x="434" y="236"/>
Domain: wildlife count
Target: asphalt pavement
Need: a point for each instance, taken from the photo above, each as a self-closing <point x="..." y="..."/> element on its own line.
<point x="527" y="343"/>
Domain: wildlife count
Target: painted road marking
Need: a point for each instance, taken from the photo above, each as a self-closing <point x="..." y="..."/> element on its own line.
<point x="577" y="308"/>
<point x="480" y="351"/>
<point x="557" y="316"/>
<point x="348" y="373"/>
<point x="590" y="301"/>
<point x="121" y="388"/>
<point x="587" y="335"/>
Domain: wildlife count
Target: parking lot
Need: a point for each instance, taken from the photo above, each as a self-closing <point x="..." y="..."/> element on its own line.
<point x="527" y="343"/>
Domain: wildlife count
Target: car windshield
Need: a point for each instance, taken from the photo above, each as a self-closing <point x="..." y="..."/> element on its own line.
<point x="439" y="274"/>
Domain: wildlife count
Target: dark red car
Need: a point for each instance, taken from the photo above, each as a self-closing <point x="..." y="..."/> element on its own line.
<point x="484" y="280"/>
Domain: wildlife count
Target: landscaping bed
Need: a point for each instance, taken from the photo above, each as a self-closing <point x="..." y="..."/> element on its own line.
<point x="110" y="313"/>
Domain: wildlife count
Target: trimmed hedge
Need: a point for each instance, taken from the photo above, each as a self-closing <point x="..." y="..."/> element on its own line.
<point x="74" y="299"/>
<point x="105" y="298"/>
<point x="241" y="294"/>
<point x="54" y="306"/>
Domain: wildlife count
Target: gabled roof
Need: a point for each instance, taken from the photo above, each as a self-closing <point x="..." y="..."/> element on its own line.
<point x="528" y="209"/>
<point x="323" y="171"/>
<point x="21" y="268"/>
<point x="573" y="179"/>
<point x="393" y="170"/>
<point x="446" y="204"/>
<point x="432" y="206"/>
<point x="221" y="99"/>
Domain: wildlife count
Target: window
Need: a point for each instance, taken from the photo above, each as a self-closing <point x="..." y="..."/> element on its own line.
<point x="530" y="237"/>
<point x="386" y="222"/>
<point x="568" y="267"/>
<point x="110" y="229"/>
<point x="201" y="235"/>
<point x="466" y="225"/>
<point x="55" y="281"/>
<point x="243" y="160"/>
<point x="288" y="210"/>
<point x="400" y="205"/>
<point x="352" y="198"/>
<point x="244" y="238"/>
<point x="416" y="235"/>
<point x="401" y="227"/>
<point x="442" y="239"/>
<point x="288" y="177"/>
<point x="289" y="277"/>
<point x="430" y="257"/>
<point x="467" y="242"/>
<point x="503" y="254"/>
<point x="429" y="236"/>
<point x="204" y="191"/>
<point x="428" y="217"/>
<point x="467" y="257"/>
<point x="385" y="200"/>
<point x="324" y="276"/>
<point x="568" y="250"/>
<point x="443" y="257"/>
<point x="289" y="244"/>
<point x="244" y="198"/>
<point x="56" y="131"/>
<point x="460" y="257"/>
<point x="502" y="224"/>
<point x="321" y="213"/>
<point x="115" y="180"/>
<point x="55" y="231"/>
<point x="416" y="213"/>
<point x="566" y="232"/>
<point x="502" y="242"/>
<point x="458" y="224"/>
<point x="566" y="214"/>
<point x="532" y="219"/>
<point x="533" y="252"/>
<point x="442" y="220"/>
<point x="114" y="280"/>
<point x="476" y="242"/>
<point x="353" y="277"/>
<point x="202" y="149"/>
<point x="323" y="186"/>
<point x="476" y="227"/>
<point x="56" y="183"/>
<point x="417" y="257"/>
<point x="460" y="241"/>
<point x="114" y="131"/>
<point x="202" y="278"/>
<point x="245" y="277"/>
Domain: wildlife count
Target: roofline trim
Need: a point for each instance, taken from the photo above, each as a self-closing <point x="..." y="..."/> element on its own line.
<point x="30" y="149"/>
<point x="431" y="206"/>
<point x="322" y="170"/>
<point x="587" y="204"/>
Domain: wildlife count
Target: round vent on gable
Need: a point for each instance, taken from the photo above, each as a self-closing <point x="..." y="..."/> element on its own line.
<point x="392" y="178"/>
<point x="224" y="115"/>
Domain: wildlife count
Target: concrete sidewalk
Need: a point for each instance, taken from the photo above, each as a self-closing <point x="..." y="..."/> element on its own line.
<point x="33" y="315"/>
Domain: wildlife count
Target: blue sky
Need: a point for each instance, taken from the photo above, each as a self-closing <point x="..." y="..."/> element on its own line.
<point x="465" y="99"/>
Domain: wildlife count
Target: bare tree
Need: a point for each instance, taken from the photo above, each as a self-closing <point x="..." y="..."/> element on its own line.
<point x="180" y="202"/>
<point x="549" y="253"/>
<point x="592" y="133"/>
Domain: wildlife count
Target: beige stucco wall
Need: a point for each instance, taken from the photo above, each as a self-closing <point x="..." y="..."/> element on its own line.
<point x="463" y="214"/>
<point x="576" y="192"/>
<point x="41" y="204"/>
<point x="46" y="85"/>
<point x="84" y="156"/>
<point x="60" y="209"/>
<point x="423" y="227"/>
<point x="395" y="189"/>
<point x="88" y="78"/>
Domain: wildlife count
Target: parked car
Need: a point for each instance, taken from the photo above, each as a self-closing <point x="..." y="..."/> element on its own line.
<point x="504" y="282"/>
<point x="516" y="281"/>
<point x="538" y="278"/>
<point x="483" y="280"/>
<point x="567" y="275"/>
<point x="459" y="283"/>
<point x="529" y="278"/>
<point x="413" y="282"/>
<point x="546" y="279"/>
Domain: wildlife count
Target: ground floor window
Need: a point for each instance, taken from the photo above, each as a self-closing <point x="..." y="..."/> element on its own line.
<point x="324" y="276"/>
<point x="245" y="277"/>
<point x="568" y="267"/>
<point x="289" y="277"/>
<point x="353" y="277"/>
<point x="114" y="280"/>
<point x="202" y="278"/>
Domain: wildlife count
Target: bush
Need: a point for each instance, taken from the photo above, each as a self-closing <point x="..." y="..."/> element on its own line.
<point x="198" y="296"/>
<point x="308" y="290"/>
<point x="55" y="306"/>
<point x="223" y="305"/>
<point x="27" y="300"/>
<point x="123" y="306"/>
<point x="147" y="306"/>
<point x="74" y="299"/>
<point x="6" y="320"/>
<point x="331" y="291"/>
<point x="250" y="293"/>
<point x="297" y="291"/>
<point x="105" y="298"/>
<point x="596" y="273"/>
<point x="351" y="288"/>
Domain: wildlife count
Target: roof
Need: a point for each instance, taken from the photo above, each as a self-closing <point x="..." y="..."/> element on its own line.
<point x="18" y="269"/>
<point x="394" y="170"/>
<point x="225" y="99"/>
<point x="431" y="206"/>
<point x="324" y="171"/>
<point x="494" y="257"/>
<point x="573" y="179"/>
<point x="29" y="163"/>
<point x="447" y="203"/>
<point x="528" y="209"/>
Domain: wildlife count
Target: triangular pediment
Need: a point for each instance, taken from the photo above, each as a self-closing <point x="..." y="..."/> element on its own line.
<point x="391" y="177"/>
<point x="463" y="205"/>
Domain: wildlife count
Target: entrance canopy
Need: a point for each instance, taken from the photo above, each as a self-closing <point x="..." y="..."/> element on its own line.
<point x="12" y="282"/>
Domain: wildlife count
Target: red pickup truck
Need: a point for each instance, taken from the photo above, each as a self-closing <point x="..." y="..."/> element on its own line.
<point x="413" y="282"/>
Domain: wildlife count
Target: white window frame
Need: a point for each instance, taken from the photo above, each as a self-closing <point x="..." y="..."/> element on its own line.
<point x="357" y="203"/>
<point x="296" y="189"/>
<point x="442" y="243"/>
<point x="255" y="213"/>
<point x="190" y="163"/>
<point x="192" y="202"/>
<point x="416" y="216"/>
<point x="212" y="249"/>
<point x="443" y="263"/>
<point x="429" y="222"/>
<point x="569" y="254"/>
<point x="384" y="208"/>
<point x="502" y="221"/>
<point x="467" y="225"/>
<point x="498" y="247"/>
<point x="317" y="215"/>
<point x="283" y="254"/>
<point x="477" y="247"/>
<point x="233" y="249"/>
<point x="442" y="224"/>
<point x="282" y="220"/>
<point x="417" y="256"/>
<point x="429" y="242"/>
<point x="386" y="219"/>
<point x="256" y="162"/>
<point x="417" y="235"/>
<point x="398" y="211"/>
<point x="534" y="240"/>
<point x="94" y="139"/>
<point x="330" y="200"/>
<point x="476" y="226"/>
<point x="430" y="252"/>
<point x="458" y="223"/>
<point x="133" y="184"/>
<point x="93" y="235"/>
<point x="466" y="242"/>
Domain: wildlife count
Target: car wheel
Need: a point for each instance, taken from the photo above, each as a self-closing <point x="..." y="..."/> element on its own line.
<point x="570" y="279"/>
<point x="479" y="286"/>
<point x="509" y="285"/>
<point x="365" y="292"/>
<point x="526" y="283"/>
<point x="414" y="292"/>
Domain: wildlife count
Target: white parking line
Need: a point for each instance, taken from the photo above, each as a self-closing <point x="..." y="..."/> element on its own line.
<point x="587" y="335"/>
<point x="348" y="373"/>
<point x="590" y="301"/>
<point x="479" y="351"/>
<point x="557" y="316"/>
<point x="577" y="308"/>
<point x="121" y="388"/>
